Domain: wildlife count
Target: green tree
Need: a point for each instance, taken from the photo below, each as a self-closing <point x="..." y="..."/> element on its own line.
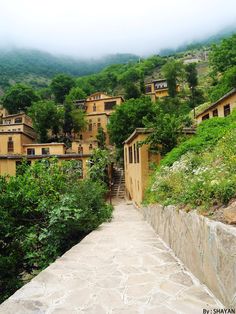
<point x="128" y="117"/>
<point x="223" y="55"/>
<point x="132" y="91"/>
<point x="46" y="116"/>
<point x="61" y="85"/>
<point x="18" y="98"/>
<point x="101" y="138"/>
<point x="74" y="94"/>
<point x="192" y="80"/>
<point x="98" y="165"/>
<point x="44" y="211"/>
<point x="166" y="128"/>
<point x="172" y="70"/>
<point x="74" y="120"/>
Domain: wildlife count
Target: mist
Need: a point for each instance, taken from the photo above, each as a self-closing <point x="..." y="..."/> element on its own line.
<point x="88" y="29"/>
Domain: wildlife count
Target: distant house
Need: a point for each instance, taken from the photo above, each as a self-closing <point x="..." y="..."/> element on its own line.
<point x="17" y="142"/>
<point x="221" y="108"/>
<point x="157" y="89"/>
<point x="98" y="108"/>
<point x="138" y="162"/>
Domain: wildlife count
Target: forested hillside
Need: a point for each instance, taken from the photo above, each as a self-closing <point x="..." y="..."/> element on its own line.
<point x="38" y="67"/>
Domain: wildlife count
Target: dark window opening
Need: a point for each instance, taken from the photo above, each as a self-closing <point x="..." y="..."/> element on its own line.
<point x="30" y="151"/>
<point x="45" y="151"/>
<point x="90" y="146"/>
<point x="110" y="105"/>
<point x="18" y="120"/>
<point x="135" y="153"/>
<point x="148" y="89"/>
<point x="130" y="155"/>
<point x="215" y="113"/>
<point x="226" y="110"/>
<point x="10" y="145"/>
<point x="80" y="150"/>
<point x="94" y="107"/>
<point x="206" y="117"/>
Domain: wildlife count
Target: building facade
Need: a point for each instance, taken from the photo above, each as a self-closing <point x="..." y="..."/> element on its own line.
<point x="18" y="142"/>
<point x="98" y="108"/>
<point x="138" y="164"/>
<point x="221" y="108"/>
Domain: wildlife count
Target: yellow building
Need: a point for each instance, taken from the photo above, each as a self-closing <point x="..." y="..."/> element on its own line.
<point x="98" y="108"/>
<point x="138" y="162"/>
<point x="17" y="142"/>
<point x="221" y="108"/>
<point x="157" y="89"/>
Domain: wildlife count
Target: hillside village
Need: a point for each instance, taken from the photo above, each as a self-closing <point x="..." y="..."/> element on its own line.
<point x="155" y="131"/>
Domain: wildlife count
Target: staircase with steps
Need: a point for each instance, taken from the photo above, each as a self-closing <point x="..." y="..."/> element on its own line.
<point x="118" y="187"/>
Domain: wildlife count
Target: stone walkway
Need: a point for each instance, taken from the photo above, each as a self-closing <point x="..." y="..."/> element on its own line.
<point x="121" y="268"/>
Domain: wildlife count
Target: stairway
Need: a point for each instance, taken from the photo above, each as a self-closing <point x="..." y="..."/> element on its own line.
<point x="118" y="187"/>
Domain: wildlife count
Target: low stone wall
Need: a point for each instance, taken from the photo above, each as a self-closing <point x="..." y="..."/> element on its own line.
<point x="206" y="247"/>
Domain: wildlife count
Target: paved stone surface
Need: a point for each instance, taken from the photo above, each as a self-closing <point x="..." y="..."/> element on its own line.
<point x="123" y="267"/>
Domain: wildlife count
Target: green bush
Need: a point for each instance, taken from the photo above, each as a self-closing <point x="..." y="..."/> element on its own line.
<point x="44" y="211"/>
<point x="200" y="172"/>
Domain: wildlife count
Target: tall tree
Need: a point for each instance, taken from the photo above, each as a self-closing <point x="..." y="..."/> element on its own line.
<point x="101" y="138"/>
<point x="61" y="85"/>
<point x="172" y="70"/>
<point x="46" y="116"/>
<point x="18" y="98"/>
<point x="128" y="117"/>
<point x="192" y="80"/>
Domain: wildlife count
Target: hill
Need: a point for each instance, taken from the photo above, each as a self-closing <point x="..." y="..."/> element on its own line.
<point x="199" y="172"/>
<point x="37" y="67"/>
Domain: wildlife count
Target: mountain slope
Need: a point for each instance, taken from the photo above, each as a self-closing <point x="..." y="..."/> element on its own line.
<point x="37" y="67"/>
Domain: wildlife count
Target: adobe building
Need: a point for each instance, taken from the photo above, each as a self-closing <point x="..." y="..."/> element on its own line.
<point x="18" y="142"/>
<point x="221" y="108"/>
<point x="98" y="108"/>
<point x="157" y="89"/>
<point x="138" y="164"/>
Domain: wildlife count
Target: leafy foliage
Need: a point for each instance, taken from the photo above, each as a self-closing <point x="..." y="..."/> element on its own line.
<point x="46" y="116"/>
<point x="61" y="85"/>
<point x="45" y="211"/>
<point x="18" y="98"/>
<point x="128" y="117"/>
<point x="200" y="172"/>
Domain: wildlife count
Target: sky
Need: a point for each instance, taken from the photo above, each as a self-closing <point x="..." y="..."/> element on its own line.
<point x="92" y="28"/>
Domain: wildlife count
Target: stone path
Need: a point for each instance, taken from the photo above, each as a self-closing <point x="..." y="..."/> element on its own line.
<point x="121" y="268"/>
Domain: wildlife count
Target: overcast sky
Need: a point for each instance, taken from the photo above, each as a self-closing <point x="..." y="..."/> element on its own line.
<point x="90" y="28"/>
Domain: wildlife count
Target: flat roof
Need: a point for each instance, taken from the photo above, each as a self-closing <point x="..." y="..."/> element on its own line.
<point x="44" y="156"/>
<point x="155" y="81"/>
<point x="15" y="114"/>
<point x="230" y="93"/>
<point x="44" y="144"/>
<point x="136" y="132"/>
<point x="17" y="132"/>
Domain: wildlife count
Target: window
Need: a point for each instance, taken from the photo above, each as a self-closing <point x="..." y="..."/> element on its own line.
<point x="45" y="151"/>
<point x="130" y="155"/>
<point x="10" y="145"/>
<point x="81" y="137"/>
<point x="215" y="113"/>
<point x="148" y="89"/>
<point x="110" y="105"/>
<point x="30" y="151"/>
<point x="90" y="126"/>
<point x="135" y="153"/>
<point x="94" y="107"/>
<point x="205" y="117"/>
<point x="90" y="146"/>
<point x="99" y="125"/>
<point x="226" y="110"/>
<point x="80" y="150"/>
<point x="18" y="120"/>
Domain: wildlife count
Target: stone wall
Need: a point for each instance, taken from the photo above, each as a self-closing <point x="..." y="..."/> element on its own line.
<point x="206" y="247"/>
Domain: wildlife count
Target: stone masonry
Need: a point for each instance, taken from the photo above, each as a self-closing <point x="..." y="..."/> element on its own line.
<point x="123" y="267"/>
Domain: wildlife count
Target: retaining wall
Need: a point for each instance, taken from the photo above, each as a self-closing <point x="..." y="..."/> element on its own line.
<point x="206" y="247"/>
